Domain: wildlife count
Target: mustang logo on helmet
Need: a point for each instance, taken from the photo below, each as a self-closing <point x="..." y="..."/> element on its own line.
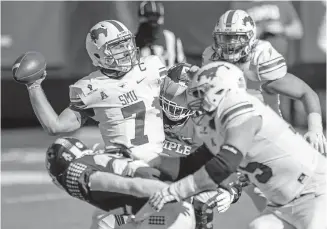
<point x="248" y="19"/>
<point x="211" y="72"/>
<point x="95" y="33"/>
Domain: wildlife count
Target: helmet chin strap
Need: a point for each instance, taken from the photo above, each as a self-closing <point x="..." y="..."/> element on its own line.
<point x="110" y="73"/>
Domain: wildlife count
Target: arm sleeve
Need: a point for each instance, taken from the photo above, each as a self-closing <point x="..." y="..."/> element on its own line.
<point x="75" y="180"/>
<point x="236" y="109"/>
<point x="194" y="161"/>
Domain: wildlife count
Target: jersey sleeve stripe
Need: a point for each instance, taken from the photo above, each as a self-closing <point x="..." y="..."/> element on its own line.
<point x="275" y="70"/>
<point x="236" y="115"/>
<point x="270" y="66"/>
<point x="79" y="105"/>
<point x="269" y="61"/>
<point x="75" y="100"/>
<point x="237" y="111"/>
<point x="233" y="107"/>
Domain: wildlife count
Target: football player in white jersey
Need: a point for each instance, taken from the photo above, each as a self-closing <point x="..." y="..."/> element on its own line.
<point x="253" y="139"/>
<point x="264" y="68"/>
<point x="122" y="95"/>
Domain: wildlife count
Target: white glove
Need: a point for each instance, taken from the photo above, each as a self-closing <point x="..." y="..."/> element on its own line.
<point x="220" y="198"/>
<point x="132" y="166"/>
<point x="317" y="140"/>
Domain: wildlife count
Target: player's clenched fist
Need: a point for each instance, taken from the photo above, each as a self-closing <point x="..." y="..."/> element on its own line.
<point x="29" y="69"/>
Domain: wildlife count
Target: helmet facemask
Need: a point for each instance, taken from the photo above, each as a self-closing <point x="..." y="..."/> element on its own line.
<point x="120" y="54"/>
<point x="173" y="111"/>
<point x="233" y="46"/>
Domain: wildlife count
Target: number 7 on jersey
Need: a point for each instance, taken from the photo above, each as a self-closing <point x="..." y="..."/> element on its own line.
<point x="140" y="110"/>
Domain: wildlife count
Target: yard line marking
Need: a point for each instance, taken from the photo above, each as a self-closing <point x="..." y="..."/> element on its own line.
<point x="35" y="198"/>
<point x="24" y="178"/>
<point x="24" y="156"/>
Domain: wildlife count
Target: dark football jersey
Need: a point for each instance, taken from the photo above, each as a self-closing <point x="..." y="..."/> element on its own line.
<point x="181" y="139"/>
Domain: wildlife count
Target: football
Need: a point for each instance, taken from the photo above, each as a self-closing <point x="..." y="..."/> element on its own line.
<point x="29" y="67"/>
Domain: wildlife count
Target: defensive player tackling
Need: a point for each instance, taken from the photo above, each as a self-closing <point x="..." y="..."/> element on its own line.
<point x="100" y="179"/>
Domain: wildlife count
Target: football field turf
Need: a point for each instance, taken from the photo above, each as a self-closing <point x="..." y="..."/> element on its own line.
<point x="30" y="200"/>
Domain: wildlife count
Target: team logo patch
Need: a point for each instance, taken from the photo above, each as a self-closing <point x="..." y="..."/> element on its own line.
<point x="103" y="95"/>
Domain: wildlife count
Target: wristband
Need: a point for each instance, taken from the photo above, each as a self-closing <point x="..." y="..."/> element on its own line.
<point x="33" y="86"/>
<point x="315" y="122"/>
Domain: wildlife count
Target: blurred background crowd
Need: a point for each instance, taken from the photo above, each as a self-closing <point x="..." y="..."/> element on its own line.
<point x="58" y="30"/>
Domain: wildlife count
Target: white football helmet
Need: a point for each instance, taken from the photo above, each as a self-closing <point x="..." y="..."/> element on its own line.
<point x="234" y="35"/>
<point x="111" y="45"/>
<point x="211" y="83"/>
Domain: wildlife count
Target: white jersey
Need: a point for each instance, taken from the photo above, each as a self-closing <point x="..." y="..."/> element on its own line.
<point x="280" y="162"/>
<point x="127" y="109"/>
<point x="265" y="64"/>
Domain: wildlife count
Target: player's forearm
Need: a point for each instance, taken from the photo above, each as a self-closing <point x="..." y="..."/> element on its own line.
<point x="311" y="104"/>
<point x="43" y="110"/>
<point x="149" y="157"/>
<point x="106" y="182"/>
<point x="195" y="183"/>
<point x="299" y="90"/>
<point x="167" y="165"/>
<point x="179" y="168"/>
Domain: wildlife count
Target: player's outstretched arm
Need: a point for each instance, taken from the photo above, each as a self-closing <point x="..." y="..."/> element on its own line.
<point x="178" y="168"/>
<point x="303" y="92"/>
<point x="237" y="142"/>
<point x="139" y="187"/>
<point x="53" y="124"/>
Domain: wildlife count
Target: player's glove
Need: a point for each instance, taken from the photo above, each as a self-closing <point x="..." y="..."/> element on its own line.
<point x="36" y="83"/>
<point x="132" y="166"/>
<point x="220" y="198"/>
<point x="204" y="204"/>
<point x="317" y="140"/>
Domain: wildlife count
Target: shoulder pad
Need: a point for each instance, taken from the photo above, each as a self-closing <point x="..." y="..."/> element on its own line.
<point x="155" y="64"/>
<point x="270" y="64"/>
<point x="236" y="108"/>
